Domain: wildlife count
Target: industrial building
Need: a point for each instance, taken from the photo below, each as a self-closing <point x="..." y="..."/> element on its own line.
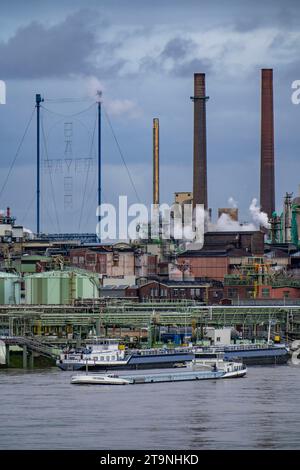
<point x="231" y="266"/>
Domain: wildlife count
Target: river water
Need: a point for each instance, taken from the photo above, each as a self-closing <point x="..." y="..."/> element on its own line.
<point x="42" y="410"/>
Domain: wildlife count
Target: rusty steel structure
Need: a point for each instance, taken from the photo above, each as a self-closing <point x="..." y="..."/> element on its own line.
<point x="200" y="163"/>
<point x="155" y="161"/>
<point x="267" y="172"/>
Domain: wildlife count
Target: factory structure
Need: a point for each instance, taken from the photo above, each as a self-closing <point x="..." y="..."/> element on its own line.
<point x="235" y="264"/>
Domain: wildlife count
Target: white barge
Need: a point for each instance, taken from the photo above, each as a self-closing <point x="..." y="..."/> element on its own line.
<point x="227" y="370"/>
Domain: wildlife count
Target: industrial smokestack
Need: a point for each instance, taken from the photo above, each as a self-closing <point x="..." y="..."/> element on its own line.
<point x="267" y="176"/>
<point x="155" y="161"/>
<point x="200" y="166"/>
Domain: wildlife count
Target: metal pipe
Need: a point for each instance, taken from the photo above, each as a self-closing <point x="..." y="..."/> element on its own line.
<point x="155" y="161"/>
<point x="288" y="218"/>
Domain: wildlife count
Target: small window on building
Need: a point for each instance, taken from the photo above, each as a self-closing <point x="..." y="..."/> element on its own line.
<point x="286" y="294"/>
<point x="81" y="259"/>
<point x="218" y="339"/>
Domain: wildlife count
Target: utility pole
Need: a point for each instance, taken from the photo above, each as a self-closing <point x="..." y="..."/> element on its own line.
<point x="38" y="101"/>
<point x="99" y="94"/>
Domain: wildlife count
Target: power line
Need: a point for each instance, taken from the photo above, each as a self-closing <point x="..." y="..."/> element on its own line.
<point x="28" y="209"/>
<point x="52" y="188"/>
<point x="69" y="115"/>
<point x="17" y="153"/>
<point x="93" y="192"/>
<point x="67" y="100"/>
<point x="47" y="209"/>
<point x="87" y="175"/>
<point x="121" y="154"/>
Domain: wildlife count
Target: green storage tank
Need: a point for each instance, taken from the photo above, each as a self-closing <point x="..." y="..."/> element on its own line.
<point x="10" y="289"/>
<point x="60" y="287"/>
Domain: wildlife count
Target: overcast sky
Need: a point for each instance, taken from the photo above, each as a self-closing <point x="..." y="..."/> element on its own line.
<point x="143" y="54"/>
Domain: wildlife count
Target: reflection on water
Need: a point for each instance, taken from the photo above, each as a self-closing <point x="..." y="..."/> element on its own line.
<point x="41" y="410"/>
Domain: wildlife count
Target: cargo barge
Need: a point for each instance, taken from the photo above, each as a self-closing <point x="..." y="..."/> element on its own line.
<point x="105" y="354"/>
<point x="229" y="370"/>
<point x="251" y="354"/>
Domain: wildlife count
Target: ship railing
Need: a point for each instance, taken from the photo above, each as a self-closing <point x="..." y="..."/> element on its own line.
<point x="231" y="347"/>
<point x="239" y="347"/>
<point x="154" y="351"/>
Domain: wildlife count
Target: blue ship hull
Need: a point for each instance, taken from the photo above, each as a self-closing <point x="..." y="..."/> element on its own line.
<point x="261" y="356"/>
<point x="137" y="361"/>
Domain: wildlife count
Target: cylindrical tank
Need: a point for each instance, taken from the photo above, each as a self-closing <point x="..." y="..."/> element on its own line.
<point x="10" y="289"/>
<point x="60" y="287"/>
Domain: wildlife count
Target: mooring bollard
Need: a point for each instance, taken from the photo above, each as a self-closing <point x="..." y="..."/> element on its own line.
<point x="24" y="356"/>
<point x="7" y="355"/>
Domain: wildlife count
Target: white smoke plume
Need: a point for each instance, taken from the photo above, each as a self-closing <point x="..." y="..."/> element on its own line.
<point x="117" y="107"/>
<point x="93" y="85"/>
<point x="232" y="202"/>
<point x="258" y="217"/>
<point x="226" y="224"/>
<point x="120" y="107"/>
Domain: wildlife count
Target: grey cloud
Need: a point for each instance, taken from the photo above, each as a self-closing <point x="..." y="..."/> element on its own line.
<point x="195" y="65"/>
<point x="182" y="53"/>
<point x="64" y="49"/>
<point x="268" y="14"/>
<point x="285" y="45"/>
<point x="244" y="25"/>
<point x="177" y="48"/>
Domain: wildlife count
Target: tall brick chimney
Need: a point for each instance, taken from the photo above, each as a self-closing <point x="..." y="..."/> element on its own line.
<point x="267" y="174"/>
<point x="200" y="165"/>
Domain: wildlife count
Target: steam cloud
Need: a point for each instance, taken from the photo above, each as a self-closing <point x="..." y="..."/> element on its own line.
<point x="116" y="107"/>
<point x="226" y="224"/>
<point x="259" y="218"/>
<point x="93" y="85"/>
<point x="232" y="202"/>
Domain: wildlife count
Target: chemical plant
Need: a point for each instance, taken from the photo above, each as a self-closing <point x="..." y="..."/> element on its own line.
<point x="62" y="288"/>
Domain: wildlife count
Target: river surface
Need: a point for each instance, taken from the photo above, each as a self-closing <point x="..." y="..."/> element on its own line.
<point x="42" y="410"/>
